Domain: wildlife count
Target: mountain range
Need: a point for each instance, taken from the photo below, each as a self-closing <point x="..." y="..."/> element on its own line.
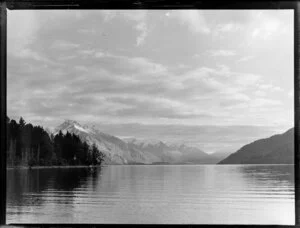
<point x="173" y="153"/>
<point x="277" y="149"/>
<point x="136" y="151"/>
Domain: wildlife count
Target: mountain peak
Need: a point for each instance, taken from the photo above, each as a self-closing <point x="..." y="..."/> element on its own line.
<point x="70" y="122"/>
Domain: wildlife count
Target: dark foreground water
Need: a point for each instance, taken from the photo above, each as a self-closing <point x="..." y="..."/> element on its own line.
<point x="209" y="194"/>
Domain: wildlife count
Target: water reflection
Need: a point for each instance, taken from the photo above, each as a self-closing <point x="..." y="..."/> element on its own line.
<point x="245" y="194"/>
<point x="276" y="173"/>
<point x="29" y="189"/>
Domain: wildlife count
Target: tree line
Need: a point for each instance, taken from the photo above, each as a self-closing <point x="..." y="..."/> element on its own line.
<point x="32" y="145"/>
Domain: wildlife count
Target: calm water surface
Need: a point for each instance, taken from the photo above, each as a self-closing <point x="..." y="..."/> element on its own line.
<point x="209" y="194"/>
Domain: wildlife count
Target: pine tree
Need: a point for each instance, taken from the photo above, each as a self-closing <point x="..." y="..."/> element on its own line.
<point x="22" y="122"/>
<point x="32" y="145"/>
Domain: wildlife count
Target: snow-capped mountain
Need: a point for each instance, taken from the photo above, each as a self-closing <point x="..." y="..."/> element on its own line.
<point x="115" y="150"/>
<point x="173" y="152"/>
<point x="132" y="150"/>
<point x="157" y="148"/>
<point x="70" y="126"/>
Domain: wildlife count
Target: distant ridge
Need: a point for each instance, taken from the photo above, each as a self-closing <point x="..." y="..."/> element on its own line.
<point x="136" y="151"/>
<point x="173" y="153"/>
<point x="277" y="149"/>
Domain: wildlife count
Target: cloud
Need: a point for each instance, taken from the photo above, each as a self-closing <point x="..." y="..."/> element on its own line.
<point x="87" y="31"/>
<point x="228" y="27"/>
<point x="202" y="78"/>
<point x="22" y="27"/>
<point x="98" y="54"/>
<point x="169" y="97"/>
<point x="142" y="27"/>
<point x="138" y="17"/>
<point x="245" y="59"/>
<point x="194" y="19"/>
<point x="247" y="79"/>
<point x="260" y="93"/>
<point x="277" y="89"/>
<point x="81" y="68"/>
<point x="231" y="100"/>
<point x="154" y="107"/>
<point x="221" y="78"/>
<point x="64" y="45"/>
<point x="270" y="88"/>
<point x="221" y="30"/>
<point x="135" y="65"/>
<point x="262" y="102"/>
<point x="145" y="65"/>
<point x="151" y="89"/>
<point x="267" y="28"/>
<point x="68" y="57"/>
<point x="231" y="90"/>
<point x="112" y="79"/>
<point x="86" y="53"/>
<point x="30" y="54"/>
<point x="222" y="53"/>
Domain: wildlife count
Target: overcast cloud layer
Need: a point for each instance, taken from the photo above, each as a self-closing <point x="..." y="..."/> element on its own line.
<point x="207" y="70"/>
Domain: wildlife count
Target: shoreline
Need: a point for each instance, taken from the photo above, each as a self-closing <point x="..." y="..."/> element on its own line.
<point x="96" y="166"/>
<point x="54" y="167"/>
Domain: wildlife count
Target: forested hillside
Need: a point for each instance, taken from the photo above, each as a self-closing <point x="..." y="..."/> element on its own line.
<point x="32" y="145"/>
<point x="277" y="149"/>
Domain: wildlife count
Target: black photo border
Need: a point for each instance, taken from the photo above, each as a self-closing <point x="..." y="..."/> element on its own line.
<point x="141" y="4"/>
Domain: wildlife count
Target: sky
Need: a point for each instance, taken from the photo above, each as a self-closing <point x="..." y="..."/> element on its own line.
<point x="208" y="78"/>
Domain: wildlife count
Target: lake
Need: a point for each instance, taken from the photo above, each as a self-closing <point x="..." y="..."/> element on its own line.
<point x="184" y="194"/>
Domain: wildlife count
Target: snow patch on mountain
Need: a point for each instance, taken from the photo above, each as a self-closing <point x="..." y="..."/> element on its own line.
<point x="115" y="150"/>
<point x="80" y="128"/>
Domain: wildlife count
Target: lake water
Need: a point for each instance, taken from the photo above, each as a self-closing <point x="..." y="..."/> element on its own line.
<point x="184" y="194"/>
